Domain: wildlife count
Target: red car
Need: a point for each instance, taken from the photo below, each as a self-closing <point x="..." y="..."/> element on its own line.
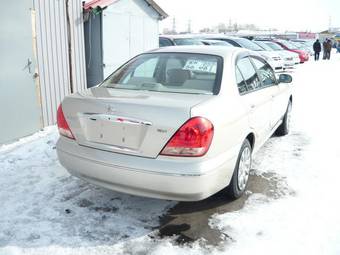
<point x="293" y="48"/>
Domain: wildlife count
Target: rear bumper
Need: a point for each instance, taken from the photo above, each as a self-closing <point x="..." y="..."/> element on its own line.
<point x="164" y="177"/>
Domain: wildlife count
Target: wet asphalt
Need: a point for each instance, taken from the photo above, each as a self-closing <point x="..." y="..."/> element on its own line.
<point x="188" y="221"/>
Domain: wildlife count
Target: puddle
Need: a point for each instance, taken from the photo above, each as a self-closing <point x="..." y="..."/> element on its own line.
<point x="188" y="221"/>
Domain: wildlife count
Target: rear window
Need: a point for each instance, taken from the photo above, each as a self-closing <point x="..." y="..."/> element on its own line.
<point x="289" y="45"/>
<point x="169" y="72"/>
<point x="264" y="46"/>
<point x="274" y="46"/>
<point x="245" y="43"/>
<point x="187" y="41"/>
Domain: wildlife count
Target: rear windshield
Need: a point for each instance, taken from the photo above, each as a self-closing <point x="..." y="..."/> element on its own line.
<point x="245" y="43"/>
<point x="187" y="41"/>
<point x="274" y="46"/>
<point x="217" y="42"/>
<point x="289" y="45"/>
<point x="264" y="46"/>
<point x="169" y="72"/>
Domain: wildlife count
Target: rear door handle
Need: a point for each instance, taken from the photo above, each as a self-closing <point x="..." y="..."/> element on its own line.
<point x="252" y="106"/>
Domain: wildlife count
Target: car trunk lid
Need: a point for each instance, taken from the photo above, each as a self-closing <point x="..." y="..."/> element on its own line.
<point x="130" y="122"/>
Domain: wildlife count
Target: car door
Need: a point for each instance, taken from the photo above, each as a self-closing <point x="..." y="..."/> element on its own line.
<point x="256" y="99"/>
<point x="19" y="103"/>
<point x="270" y="84"/>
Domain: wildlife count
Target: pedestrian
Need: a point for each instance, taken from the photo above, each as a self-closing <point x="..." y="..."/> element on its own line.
<point x="324" y="49"/>
<point x="329" y="47"/>
<point x="338" y="47"/>
<point x="317" y="49"/>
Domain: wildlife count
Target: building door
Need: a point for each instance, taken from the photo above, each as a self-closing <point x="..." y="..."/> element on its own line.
<point x="116" y="40"/>
<point x="19" y="108"/>
<point x="94" y="49"/>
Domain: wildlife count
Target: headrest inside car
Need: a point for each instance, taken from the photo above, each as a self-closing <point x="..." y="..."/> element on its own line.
<point x="176" y="77"/>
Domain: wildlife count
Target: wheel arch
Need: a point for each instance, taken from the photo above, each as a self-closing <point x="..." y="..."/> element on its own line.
<point x="251" y="138"/>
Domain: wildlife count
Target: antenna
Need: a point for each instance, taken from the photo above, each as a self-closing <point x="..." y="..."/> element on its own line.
<point x="189" y="26"/>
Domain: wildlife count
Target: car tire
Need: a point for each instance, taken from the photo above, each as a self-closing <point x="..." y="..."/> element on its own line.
<point x="284" y="128"/>
<point x="239" y="181"/>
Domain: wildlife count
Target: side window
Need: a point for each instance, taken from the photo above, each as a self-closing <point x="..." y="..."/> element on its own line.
<point x="146" y="69"/>
<point x="266" y="73"/>
<point x="249" y="74"/>
<point x="163" y="42"/>
<point x="241" y="84"/>
<point x="232" y="43"/>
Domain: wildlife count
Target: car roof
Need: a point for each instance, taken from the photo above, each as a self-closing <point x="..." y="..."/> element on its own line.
<point x="225" y="52"/>
<point x="180" y="36"/>
<point x="213" y="40"/>
<point x="212" y="36"/>
<point x="198" y="36"/>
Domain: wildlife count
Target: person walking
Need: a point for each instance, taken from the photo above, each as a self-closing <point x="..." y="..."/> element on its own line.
<point x="329" y="46"/>
<point x="324" y="46"/>
<point x="338" y="47"/>
<point x="317" y="49"/>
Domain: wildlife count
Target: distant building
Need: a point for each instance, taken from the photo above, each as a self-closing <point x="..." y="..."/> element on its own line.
<point x="326" y="34"/>
<point x="306" y="36"/>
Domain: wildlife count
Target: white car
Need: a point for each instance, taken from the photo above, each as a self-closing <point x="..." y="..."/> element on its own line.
<point x="290" y="56"/>
<point x="286" y="56"/>
<point x="179" y="123"/>
<point x="271" y="57"/>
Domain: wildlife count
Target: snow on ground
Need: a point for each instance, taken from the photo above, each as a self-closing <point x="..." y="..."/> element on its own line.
<point x="46" y="211"/>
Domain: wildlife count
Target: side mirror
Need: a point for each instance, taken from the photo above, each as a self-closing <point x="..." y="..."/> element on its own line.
<point x="285" y="78"/>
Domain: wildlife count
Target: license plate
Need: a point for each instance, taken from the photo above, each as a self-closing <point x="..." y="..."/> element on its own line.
<point x="114" y="131"/>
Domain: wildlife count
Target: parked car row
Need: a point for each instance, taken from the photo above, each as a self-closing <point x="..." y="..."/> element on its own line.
<point x="280" y="54"/>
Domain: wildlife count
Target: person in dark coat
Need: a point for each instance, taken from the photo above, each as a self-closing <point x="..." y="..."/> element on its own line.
<point x="317" y="49"/>
<point x="329" y="46"/>
<point x="324" y="49"/>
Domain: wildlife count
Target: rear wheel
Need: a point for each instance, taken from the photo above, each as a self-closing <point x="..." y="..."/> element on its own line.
<point x="240" y="177"/>
<point x="284" y="128"/>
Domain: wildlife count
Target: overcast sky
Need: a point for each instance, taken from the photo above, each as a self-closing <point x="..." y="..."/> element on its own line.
<point x="297" y="15"/>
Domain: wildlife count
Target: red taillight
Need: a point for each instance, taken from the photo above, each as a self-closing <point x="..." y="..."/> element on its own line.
<point x="193" y="139"/>
<point x="63" y="127"/>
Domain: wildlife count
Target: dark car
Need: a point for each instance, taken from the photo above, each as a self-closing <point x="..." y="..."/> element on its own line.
<point x="173" y="40"/>
<point x="216" y="42"/>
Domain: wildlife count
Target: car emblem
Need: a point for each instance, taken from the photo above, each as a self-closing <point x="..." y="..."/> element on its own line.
<point x="110" y="109"/>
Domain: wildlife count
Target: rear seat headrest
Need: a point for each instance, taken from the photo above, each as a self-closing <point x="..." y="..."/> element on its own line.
<point x="177" y="77"/>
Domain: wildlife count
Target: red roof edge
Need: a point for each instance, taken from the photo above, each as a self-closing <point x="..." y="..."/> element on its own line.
<point x="104" y="3"/>
<point x="98" y="3"/>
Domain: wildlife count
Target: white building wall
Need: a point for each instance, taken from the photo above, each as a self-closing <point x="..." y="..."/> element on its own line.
<point x="52" y="53"/>
<point x="130" y="27"/>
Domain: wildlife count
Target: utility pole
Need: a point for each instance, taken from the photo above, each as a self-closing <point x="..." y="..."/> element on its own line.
<point x="230" y="25"/>
<point x="189" y="26"/>
<point x="174" y="25"/>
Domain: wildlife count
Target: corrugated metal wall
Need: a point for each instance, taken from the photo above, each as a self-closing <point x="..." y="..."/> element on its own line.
<point x="52" y="53"/>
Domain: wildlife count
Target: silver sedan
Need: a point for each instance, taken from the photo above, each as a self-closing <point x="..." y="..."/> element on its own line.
<point x="179" y="123"/>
